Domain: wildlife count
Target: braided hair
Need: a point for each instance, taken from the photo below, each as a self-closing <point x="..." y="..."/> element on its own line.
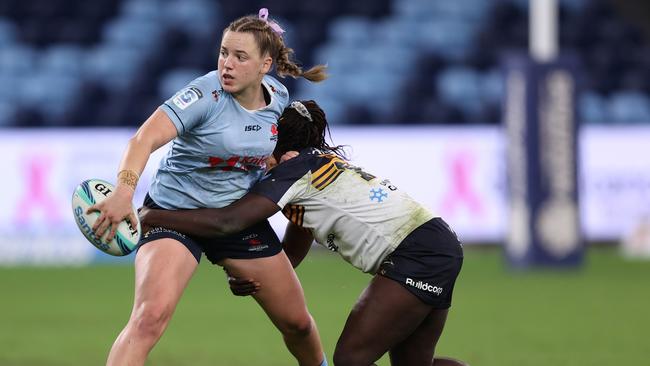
<point x="297" y="132"/>
<point x="271" y="42"/>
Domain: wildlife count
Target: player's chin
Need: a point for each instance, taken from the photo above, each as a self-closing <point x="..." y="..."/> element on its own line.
<point x="230" y="88"/>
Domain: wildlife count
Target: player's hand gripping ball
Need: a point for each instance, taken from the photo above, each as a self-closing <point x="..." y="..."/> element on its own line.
<point x="91" y="192"/>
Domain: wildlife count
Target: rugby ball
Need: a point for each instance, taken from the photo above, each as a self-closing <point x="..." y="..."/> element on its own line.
<point x="94" y="191"/>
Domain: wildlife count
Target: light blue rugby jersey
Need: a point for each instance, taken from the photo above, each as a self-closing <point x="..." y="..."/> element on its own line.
<point x="221" y="148"/>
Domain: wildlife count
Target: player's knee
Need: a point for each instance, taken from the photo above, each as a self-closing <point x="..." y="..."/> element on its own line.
<point x="297" y="326"/>
<point x="150" y="319"/>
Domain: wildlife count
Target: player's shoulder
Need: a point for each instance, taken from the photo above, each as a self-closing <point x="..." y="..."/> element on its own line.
<point x="318" y="158"/>
<point x="296" y="166"/>
<point x="280" y="92"/>
<point x="203" y="86"/>
<point x="195" y="97"/>
<point x="207" y="83"/>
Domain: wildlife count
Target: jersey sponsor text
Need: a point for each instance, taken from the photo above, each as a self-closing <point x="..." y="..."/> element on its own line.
<point x="244" y="163"/>
<point x="424" y="286"/>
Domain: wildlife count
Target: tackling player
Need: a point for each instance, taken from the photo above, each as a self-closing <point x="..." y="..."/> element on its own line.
<point x="414" y="256"/>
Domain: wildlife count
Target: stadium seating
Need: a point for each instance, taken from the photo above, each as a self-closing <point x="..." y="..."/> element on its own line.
<point x="390" y="61"/>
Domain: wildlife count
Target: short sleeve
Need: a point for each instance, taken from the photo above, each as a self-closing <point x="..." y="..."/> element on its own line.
<point x="285" y="183"/>
<point x="190" y="106"/>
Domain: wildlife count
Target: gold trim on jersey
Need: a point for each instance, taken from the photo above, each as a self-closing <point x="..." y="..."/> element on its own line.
<point x="328" y="173"/>
<point x="295" y="213"/>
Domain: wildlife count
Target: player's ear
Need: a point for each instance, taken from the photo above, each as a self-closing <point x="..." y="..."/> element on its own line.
<point x="267" y="63"/>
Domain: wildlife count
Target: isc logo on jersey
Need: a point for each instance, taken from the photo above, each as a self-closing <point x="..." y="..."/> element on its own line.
<point x="187" y="97"/>
<point x="93" y="191"/>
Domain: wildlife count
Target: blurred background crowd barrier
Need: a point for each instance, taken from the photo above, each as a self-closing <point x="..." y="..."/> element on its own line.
<point x="458" y="172"/>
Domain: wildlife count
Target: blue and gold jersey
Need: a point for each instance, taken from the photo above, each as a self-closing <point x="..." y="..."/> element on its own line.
<point x="360" y="216"/>
<point x="221" y="148"/>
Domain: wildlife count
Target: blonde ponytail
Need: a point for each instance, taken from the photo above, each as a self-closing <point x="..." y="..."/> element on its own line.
<point x="285" y="67"/>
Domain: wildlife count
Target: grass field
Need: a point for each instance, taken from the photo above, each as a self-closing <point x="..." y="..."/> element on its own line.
<point x="598" y="315"/>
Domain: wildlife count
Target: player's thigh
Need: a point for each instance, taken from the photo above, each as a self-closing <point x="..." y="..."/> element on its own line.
<point x="280" y="293"/>
<point x="162" y="270"/>
<point x="385" y="308"/>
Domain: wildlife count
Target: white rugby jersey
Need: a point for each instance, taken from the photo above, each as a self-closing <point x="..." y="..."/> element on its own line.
<point x="360" y="216"/>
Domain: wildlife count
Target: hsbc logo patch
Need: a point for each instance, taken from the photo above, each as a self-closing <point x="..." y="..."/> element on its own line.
<point x="424" y="286"/>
